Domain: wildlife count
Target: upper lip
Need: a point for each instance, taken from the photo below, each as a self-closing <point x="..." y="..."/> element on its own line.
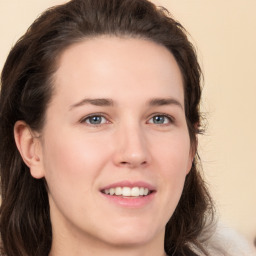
<point x="130" y="184"/>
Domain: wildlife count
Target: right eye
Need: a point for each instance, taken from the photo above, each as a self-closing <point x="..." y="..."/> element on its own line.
<point x="95" y="120"/>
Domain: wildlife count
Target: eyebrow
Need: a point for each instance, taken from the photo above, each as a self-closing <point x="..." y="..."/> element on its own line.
<point x="164" y="101"/>
<point x="96" y="102"/>
<point x="101" y="102"/>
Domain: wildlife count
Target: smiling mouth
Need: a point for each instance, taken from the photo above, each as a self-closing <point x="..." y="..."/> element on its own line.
<point x="127" y="192"/>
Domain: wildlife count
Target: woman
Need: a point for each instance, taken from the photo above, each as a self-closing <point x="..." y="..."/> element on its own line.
<point x="99" y="122"/>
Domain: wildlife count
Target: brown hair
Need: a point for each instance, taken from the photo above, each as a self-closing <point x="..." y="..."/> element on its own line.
<point x="27" y="89"/>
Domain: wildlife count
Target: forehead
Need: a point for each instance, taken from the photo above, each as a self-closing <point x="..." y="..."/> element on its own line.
<point x="110" y="66"/>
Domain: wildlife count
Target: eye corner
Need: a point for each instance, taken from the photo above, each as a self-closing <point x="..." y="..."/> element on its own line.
<point x="95" y="120"/>
<point x="161" y="119"/>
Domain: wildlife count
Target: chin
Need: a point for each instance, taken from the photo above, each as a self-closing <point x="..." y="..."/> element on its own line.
<point x="133" y="239"/>
<point x="132" y="234"/>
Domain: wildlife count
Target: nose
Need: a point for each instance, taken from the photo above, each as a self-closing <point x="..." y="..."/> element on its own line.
<point x="131" y="148"/>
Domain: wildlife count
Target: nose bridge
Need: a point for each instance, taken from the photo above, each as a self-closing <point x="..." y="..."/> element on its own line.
<point x="131" y="145"/>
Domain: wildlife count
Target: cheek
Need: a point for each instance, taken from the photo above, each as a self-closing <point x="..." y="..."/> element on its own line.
<point x="72" y="167"/>
<point x="174" y="154"/>
<point x="72" y="162"/>
<point x="174" y="161"/>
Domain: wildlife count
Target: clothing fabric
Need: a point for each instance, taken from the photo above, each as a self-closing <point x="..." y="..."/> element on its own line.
<point x="227" y="242"/>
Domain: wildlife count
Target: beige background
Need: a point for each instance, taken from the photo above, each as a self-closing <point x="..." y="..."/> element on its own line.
<point x="224" y="33"/>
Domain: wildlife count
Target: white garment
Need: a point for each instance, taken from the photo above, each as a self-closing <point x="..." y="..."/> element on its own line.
<point x="227" y="242"/>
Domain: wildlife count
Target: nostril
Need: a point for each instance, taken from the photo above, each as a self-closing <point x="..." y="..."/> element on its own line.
<point x="133" y="164"/>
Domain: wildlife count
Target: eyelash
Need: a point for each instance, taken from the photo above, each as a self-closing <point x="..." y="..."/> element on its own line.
<point x="85" y="119"/>
<point x="170" y="119"/>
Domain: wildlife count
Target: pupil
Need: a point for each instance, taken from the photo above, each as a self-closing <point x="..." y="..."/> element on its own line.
<point x="158" y="119"/>
<point x="95" y="120"/>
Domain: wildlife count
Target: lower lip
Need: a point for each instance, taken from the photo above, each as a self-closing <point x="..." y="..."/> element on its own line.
<point x="131" y="202"/>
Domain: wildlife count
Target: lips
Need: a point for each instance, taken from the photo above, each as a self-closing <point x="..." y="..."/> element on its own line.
<point x="128" y="189"/>
<point x="132" y="195"/>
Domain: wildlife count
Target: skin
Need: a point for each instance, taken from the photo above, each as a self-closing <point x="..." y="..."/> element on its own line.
<point x="78" y="158"/>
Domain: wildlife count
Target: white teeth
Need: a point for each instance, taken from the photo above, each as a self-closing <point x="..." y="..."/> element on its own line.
<point x="135" y="191"/>
<point x="112" y="191"/>
<point x="141" y="191"/>
<point x="145" y="191"/>
<point x="118" y="191"/>
<point x="126" y="191"/>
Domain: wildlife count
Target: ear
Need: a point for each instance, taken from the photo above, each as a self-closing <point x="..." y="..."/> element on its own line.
<point x="30" y="148"/>
<point x="190" y="162"/>
<point x="192" y="154"/>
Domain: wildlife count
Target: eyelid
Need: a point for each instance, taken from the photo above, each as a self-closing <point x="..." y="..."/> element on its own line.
<point x="83" y="119"/>
<point x="168" y="116"/>
<point x="100" y="114"/>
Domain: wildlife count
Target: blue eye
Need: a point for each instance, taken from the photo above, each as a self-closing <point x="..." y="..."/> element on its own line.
<point x="95" y="120"/>
<point x="160" y="119"/>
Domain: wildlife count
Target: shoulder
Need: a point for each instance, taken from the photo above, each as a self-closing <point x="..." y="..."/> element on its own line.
<point x="227" y="242"/>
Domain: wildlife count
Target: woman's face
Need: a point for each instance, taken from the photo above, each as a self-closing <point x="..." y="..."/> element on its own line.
<point x="115" y="145"/>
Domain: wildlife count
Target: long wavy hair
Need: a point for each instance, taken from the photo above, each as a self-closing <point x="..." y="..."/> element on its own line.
<point x="27" y="88"/>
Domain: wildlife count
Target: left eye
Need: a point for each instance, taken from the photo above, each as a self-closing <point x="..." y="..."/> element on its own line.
<point x="160" y="119"/>
<point x="95" y="120"/>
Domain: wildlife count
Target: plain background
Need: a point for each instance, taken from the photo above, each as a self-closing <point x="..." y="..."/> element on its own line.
<point x="224" y="33"/>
